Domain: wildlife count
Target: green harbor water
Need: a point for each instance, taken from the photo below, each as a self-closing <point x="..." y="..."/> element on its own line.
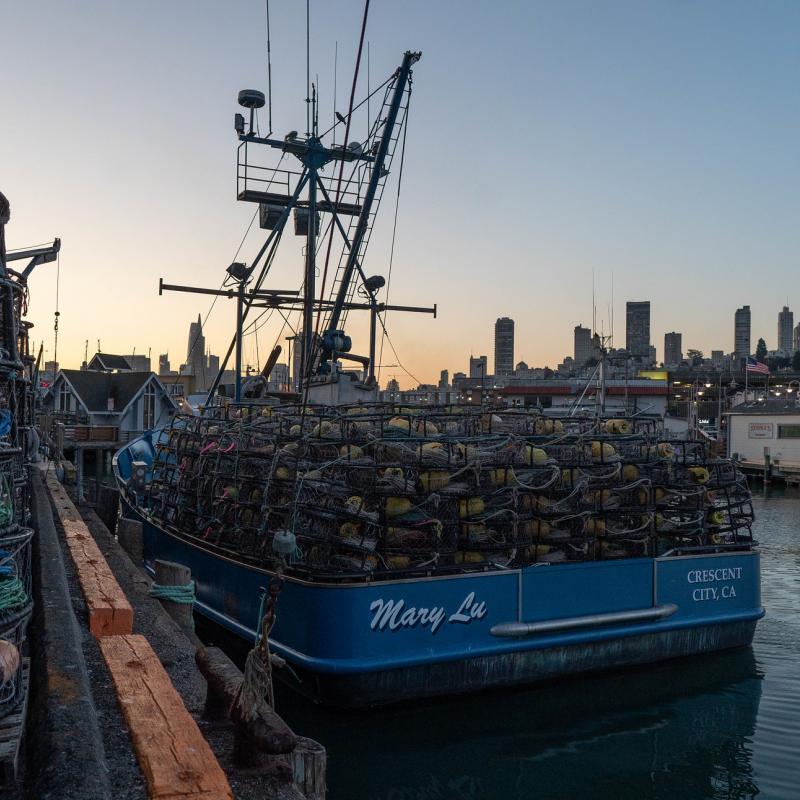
<point x="720" y="726"/>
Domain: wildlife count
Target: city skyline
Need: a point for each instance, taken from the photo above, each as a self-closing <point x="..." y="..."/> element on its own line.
<point x="657" y="169"/>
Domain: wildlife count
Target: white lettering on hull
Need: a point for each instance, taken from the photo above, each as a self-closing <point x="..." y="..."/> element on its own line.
<point x="710" y="593"/>
<point x="395" y="614"/>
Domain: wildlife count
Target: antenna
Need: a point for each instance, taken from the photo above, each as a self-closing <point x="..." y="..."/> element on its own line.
<point x="269" y="73"/>
<point x="594" y="307"/>
<point x="308" y="68"/>
<point x="612" y="307"/>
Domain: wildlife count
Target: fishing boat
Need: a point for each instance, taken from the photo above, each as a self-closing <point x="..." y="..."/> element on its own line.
<point x="419" y="551"/>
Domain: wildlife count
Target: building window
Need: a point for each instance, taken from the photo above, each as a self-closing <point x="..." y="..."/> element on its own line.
<point x="149" y="409"/>
<point x="66" y="400"/>
<point x="789" y="431"/>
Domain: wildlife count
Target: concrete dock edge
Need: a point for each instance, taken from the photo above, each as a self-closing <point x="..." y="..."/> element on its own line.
<point x="63" y="725"/>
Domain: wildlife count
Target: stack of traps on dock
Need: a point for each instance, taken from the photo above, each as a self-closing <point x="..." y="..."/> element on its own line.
<point x="382" y="491"/>
<point x="16" y="413"/>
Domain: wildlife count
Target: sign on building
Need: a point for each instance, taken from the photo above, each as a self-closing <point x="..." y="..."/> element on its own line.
<point x="761" y="430"/>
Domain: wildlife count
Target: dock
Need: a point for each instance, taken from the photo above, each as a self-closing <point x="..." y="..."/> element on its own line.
<point x="106" y="659"/>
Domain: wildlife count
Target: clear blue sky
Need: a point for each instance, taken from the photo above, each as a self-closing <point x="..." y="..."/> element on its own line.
<point x="659" y="142"/>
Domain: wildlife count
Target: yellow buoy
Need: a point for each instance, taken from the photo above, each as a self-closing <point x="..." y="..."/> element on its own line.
<point x="699" y="474"/>
<point x="469" y="507"/>
<point x="434" y="480"/>
<point x="630" y="473"/>
<point x="602" y="450"/>
<point x="397" y="506"/>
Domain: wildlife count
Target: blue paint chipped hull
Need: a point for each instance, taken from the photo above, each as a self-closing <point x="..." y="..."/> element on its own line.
<point x="388" y="641"/>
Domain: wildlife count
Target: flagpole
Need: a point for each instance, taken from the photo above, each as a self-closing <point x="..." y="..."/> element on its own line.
<point x="746" y="377"/>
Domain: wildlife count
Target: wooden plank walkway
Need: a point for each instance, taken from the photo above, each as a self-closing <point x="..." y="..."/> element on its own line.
<point x="176" y="760"/>
<point x="110" y="613"/>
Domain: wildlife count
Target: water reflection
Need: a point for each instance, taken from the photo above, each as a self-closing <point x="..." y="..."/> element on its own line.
<point x="678" y="730"/>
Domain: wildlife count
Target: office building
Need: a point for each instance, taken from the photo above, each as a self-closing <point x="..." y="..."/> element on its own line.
<point x="196" y="350"/>
<point x="582" y="349"/>
<point x="637" y="328"/>
<point x="478" y="367"/>
<point x="741" y="332"/>
<point x="785" y="330"/>
<point x="673" y="354"/>
<point x="504" y="346"/>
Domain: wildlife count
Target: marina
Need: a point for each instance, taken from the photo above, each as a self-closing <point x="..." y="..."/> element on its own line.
<point x="295" y="565"/>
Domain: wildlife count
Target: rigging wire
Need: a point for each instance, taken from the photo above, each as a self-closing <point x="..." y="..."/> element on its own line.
<point x="58" y="313"/>
<point x="361" y="103"/>
<point x="394" y="226"/>
<point x="341" y="162"/>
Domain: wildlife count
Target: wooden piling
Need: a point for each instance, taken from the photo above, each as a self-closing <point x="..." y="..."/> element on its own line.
<point x="169" y="573"/>
<point x="130" y="537"/>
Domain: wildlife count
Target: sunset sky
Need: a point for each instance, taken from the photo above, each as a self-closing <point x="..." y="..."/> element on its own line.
<point x="655" y="142"/>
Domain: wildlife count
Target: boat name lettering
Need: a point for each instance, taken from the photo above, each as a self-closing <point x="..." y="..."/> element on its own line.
<point x="702" y="593"/>
<point x="394" y="614"/>
<point x="708" y="575"/>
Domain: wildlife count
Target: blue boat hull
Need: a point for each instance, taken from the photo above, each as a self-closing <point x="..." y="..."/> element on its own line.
<point x="356" y="644"/>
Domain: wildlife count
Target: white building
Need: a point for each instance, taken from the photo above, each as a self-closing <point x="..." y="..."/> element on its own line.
<point x="774" y="424"/>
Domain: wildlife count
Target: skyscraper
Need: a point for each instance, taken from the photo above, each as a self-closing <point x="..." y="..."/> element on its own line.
<point x="741" y="332"/>
<point x="163" y="364"/>
<point x="637" y="327"/>
<point x="797" y="337"/>
<point x="582" y="349"/>
<point x="196" y="351"/>
<point x="444" y="379"/>
<point x="504" y="346"/>
<point x="785" y="330"/>
<point x="477" y="367"/>
<point x="673" y="354"/>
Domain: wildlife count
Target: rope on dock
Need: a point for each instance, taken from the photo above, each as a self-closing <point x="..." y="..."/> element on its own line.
<point x="183" y="594"/>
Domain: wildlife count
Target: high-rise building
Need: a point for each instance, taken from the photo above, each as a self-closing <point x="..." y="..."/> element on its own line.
<point x="673" y="354"/>
<point x="504" y="346"/>
<point x="637" y="328"/>
<point x="278" y="379"/>
<point x="797" y="337"/>
<point x="741" y="332"/>
<point x="196" y="351"/>
<point x="212" y="367"/>
<point x="785" y="330"/>
<point x="582" y="350"/>
<point x="163" y="364"/>
<point x="444" y="379"/>
<point x="138" y="363"/>
<point x="717" y="359"/>
<point x="478" y="366"/>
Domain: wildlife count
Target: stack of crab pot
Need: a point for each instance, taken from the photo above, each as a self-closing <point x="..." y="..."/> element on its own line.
<point x="380" y="491"/>
<point x="16" y="420"/>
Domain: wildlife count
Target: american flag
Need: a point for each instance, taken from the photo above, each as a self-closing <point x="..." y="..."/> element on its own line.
<point x="756" y="366"/>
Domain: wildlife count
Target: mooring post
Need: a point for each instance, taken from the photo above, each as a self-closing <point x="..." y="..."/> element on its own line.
<point x="170" y="574"/>
<point x="766" y="466"/>
<point x="308" y="761"/>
